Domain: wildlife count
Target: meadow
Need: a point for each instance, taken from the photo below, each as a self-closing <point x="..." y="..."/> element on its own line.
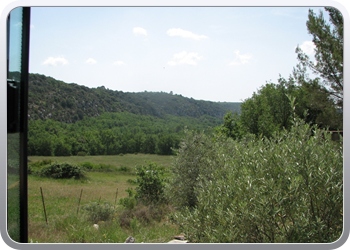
<point x="65" y="200"/>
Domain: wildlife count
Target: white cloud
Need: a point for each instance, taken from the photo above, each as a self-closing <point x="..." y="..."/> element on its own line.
<point x="55" y="61"/>
<point x="185" y="58"/>
<point x="185" y="34"/>
<point x="308" y="47"/>
<point x="118" y="63"/>
<point x="241" y="59"/>
<point x="139" y="31"/>
<point x="90" y="61"/>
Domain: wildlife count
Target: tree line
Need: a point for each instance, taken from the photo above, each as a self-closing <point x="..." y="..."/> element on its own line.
<point x="112" y="134"/>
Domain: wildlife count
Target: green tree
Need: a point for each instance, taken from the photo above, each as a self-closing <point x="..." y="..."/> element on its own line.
<point x="149" y="144"/>
<point x="269" y="109"/>
<point x="328" y="39"/>
<point x="62" y="149"/>
<point x="321" y="109"/>
<point x="44" y="147"/>
<point x="166" y="144"/>
<point x="232" y="126"/>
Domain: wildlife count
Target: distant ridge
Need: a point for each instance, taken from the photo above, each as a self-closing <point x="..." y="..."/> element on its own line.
<point x="53" y="99"/>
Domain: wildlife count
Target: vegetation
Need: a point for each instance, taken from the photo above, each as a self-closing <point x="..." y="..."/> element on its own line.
<point x="317" y="101"/>
<point x="329" y="42"/>
<point x="284" y="189"/>
<point x="269" y="110"/>
<point x="75" y="120"/>
<point x="99" y="212"/>
<point x="269" y="173"/>
<point x="151" y="183"/>
<point x="99" y="204"/>
<point x="62" y="171"/>
<point x="112" y="134"/>
<point x="69" y="103"/>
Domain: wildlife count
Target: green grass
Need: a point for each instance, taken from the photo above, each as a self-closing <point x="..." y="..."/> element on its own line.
<point x="61" y="198"/>
<point x="128" y="160"/>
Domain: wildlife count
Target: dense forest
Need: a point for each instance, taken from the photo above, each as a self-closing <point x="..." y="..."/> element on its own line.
<point x="69" y="119"/>
<point x="53" y="99"/>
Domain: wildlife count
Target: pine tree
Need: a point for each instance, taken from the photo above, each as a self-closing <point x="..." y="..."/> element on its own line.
<point x="328" y="39"/>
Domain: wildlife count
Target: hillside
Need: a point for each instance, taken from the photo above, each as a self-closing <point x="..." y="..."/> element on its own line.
<point x="53" y="99"/>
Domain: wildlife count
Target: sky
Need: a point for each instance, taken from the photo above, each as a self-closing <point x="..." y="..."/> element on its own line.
<point x="220" y="54"/>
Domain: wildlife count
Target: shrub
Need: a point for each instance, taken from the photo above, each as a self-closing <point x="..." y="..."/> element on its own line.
<point x="87" y="165"/>
<point x="103" y="167"/>
<point x="123" y="169"/>
<point x="99" y="212"/>
<point x="81" y="153"/>
<point x="288" y="188"/>
<point x="62" y="171"/>
<point x="128" y="202"/>
<point x="34" y="167"/>
<point x="151" y="183"/>
<point x="197" y="155"/>
<point x="146" y="214"/>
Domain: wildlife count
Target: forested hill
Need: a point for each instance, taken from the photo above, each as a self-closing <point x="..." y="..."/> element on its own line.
<point x="60" y="101"/>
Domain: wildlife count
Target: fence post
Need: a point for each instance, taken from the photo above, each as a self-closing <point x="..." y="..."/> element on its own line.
<point x="42" y="197"/>
<point x="79" y="201"/>
<point x="116" y="195"/>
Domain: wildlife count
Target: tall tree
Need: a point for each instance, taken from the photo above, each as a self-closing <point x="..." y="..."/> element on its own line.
<point x="269" y="109"/>
<point x="328" y="40"/>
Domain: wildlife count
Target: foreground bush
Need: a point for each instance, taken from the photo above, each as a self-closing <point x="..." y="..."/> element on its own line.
<point x="62" y="171"/>
<point x="288" y="188"/>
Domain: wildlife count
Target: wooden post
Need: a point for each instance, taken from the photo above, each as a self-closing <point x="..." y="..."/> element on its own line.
<point x="42" y="197"/>
<point x="99" y="201"/>
<point x="116" y="195"/>
<point x="79" y="201"/>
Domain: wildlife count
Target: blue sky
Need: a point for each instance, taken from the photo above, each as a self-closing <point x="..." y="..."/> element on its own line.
<point x="207" y="53"/>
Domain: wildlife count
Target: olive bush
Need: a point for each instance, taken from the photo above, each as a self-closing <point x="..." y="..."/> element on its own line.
<point x="288" y="188"/>
<point x="196" y="156"/>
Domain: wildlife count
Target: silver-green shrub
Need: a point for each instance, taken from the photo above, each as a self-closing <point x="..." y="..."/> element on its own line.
<point x="288" y="188"/>
<point x="99" y="212"/>
<point x="196" y="156"/>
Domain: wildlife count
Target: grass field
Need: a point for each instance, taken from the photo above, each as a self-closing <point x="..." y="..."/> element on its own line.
<point x="61" y="197"/>
<point x="128" y="160"/>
